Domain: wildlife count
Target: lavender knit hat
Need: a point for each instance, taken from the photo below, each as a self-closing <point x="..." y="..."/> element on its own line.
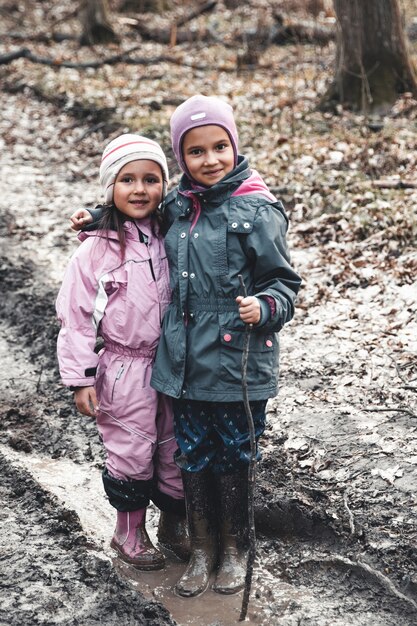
<point x="201" y="111"/>
<point x="123" y="150"/>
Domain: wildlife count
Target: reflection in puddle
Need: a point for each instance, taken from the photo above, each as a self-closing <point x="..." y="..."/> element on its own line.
<point x="209" y="609"/>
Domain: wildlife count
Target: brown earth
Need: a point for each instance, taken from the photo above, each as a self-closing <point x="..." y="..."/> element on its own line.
<point x="335" y="501"/>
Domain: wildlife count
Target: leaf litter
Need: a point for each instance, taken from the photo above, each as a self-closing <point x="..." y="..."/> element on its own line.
<point x="335" y="502"/>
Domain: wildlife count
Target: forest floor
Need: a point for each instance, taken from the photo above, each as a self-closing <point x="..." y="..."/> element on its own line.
<point x="336" y="504"/>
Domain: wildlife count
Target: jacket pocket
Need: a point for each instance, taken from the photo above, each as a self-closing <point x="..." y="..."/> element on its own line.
<point x="262" y="356"/>
<point x="108" y="380"/>
<point x="171" y="349"/>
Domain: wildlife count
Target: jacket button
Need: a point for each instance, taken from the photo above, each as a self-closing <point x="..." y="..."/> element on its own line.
<point x="227" y="337"/>
<point x="195" y="235"/>
<point x="268" y="342"/>
<point x="183" y="235"/>
<point x="246" y="225"/>
<point x="234" y="225"/>
<point x="184" y="274"/>
<point x="192" y="275"/>
<point x="179" y="202"/>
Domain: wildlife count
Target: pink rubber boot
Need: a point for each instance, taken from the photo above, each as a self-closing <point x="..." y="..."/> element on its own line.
<point x="132" y="543"/>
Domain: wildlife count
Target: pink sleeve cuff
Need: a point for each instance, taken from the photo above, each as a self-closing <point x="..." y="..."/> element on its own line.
<point x="271" y="303"/>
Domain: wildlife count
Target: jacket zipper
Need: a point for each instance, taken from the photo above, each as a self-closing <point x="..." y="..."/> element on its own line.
<point x="144" y="239"/>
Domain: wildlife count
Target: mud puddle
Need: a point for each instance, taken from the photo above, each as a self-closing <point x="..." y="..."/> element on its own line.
<point x="210" y="609"/>
<point x="78" y="488"/>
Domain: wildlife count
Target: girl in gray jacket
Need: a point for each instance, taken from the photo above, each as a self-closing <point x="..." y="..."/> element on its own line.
<point x="220" y="222"/>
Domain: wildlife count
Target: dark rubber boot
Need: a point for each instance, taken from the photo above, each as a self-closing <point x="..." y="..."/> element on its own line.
<point x="199" y="496"/>
<point x="132" y="543"/>
<point x="173" y="534"/>
<point x="232" y="491"/>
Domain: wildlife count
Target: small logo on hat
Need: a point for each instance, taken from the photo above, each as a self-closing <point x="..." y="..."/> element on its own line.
<point x="197" y="116"/>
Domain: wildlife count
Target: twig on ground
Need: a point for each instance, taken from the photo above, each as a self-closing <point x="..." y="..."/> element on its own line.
<point x="400" y="376"/>
<point x="381" y="578"/>
<point x="92" y="129"/>
<point x="204" y="8"/>
<point x="13" y="380"/>
<point x="390" y="410"/>
<point x="349" y="512"/>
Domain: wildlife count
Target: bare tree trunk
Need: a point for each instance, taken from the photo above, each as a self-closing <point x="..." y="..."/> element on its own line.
<point x="96" y="23"/>
<point x="372" y="62"/>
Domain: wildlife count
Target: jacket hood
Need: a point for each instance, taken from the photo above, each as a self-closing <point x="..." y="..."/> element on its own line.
<point x="254" y="185"/>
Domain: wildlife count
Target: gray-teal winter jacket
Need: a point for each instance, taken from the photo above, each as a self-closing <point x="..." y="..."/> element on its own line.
<point x="213" y="235"/>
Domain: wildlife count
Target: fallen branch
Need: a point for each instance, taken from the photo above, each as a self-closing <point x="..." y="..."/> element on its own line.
<point x="390" y="409"/>
<point x="40" y="37"/>
<point x="57" y="62"/>
<point x="302" y="32"/>
<point x="113" y="60"/>
<point x="163" y="35"/>
<point x="381" y="578"/>
<point x="204" y="8"/>
<point x="278" y="34"/>
<point x="182" y="35"/>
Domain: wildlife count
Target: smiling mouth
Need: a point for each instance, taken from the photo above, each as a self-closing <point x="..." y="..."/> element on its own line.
<point x="213" y="172"/>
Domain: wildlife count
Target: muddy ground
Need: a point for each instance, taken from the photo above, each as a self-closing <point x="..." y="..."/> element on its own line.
<point x="336" y="493"/>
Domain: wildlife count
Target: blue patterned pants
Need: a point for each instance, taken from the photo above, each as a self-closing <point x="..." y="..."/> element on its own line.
<point x="215" y="434"/>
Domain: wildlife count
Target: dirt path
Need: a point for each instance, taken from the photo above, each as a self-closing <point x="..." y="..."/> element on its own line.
<point x="336" y="503"/>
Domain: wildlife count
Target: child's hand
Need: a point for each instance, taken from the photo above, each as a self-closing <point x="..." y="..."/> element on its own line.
<point x="86" y="401"/>
<point x="249" y="309"/>
<point x="80" y="218"/>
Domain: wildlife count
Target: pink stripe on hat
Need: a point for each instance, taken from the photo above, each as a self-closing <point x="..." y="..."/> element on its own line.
<point x="129" y="143"/>
<point x="123" y="150"/>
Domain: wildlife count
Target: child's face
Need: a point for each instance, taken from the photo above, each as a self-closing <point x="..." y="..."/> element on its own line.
<point x="208" y="154"/>
<point x="138" y="188"/>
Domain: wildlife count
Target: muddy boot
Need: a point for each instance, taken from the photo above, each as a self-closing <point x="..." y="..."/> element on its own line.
<point x="131" y="541"/>
<point x="232" y="491"/>
<point x="173" y="534"/>
<point x="199" y="496"/>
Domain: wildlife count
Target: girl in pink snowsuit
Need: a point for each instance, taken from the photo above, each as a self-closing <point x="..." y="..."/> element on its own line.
<point x="116" y="287"/>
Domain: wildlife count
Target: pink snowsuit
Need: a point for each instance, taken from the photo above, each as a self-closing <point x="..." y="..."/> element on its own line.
<point x="122" y="301"/>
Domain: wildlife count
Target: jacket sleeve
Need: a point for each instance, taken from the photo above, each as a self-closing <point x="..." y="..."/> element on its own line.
<point x="273" y="274"/>
<point x="96" y="214"/>
<point x="76" y="304"/>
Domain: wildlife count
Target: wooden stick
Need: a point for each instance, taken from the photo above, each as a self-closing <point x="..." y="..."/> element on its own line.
<point x="252" y="468"/>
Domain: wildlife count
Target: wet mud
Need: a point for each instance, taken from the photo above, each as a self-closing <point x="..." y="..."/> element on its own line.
<point x="336" y="540"/>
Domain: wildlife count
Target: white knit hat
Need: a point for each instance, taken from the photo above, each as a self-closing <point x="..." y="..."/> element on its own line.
<point x="123" y="150"/>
